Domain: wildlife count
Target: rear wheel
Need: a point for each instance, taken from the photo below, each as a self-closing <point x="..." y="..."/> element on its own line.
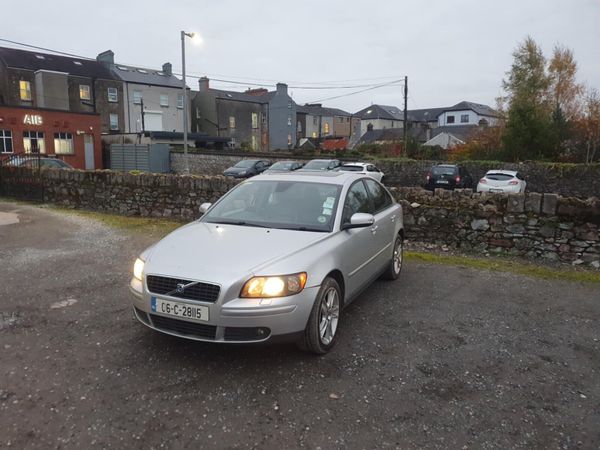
<point x="395" y="265"/>
<point x="320" y="334"/>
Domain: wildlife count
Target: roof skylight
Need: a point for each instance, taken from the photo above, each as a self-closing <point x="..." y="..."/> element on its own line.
<point x="40" y="57"/>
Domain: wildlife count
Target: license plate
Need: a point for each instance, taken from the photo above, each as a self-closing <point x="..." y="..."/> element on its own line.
<point x="181" y="310"/>
<point x="496" y="190"/>
<point x="443" y="182"/>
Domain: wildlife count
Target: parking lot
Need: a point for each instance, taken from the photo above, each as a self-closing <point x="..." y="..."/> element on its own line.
<point x="444" y="357"/>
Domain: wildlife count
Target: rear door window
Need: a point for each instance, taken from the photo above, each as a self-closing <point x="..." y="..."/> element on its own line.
<point x="499" y="176"/>
<point x="440" y="170"/>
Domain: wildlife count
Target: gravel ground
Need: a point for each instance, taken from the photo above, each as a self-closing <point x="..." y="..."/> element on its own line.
<point x="444" y="357"/>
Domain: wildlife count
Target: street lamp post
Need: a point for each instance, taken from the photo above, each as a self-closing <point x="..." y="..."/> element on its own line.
<point x="185" y="116"/>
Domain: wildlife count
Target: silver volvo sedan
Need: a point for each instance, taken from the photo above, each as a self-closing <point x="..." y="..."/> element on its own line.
<point x="276" y="258"/>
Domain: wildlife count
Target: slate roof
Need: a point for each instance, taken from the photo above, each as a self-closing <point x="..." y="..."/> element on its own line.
<point x="140" y="75"/>
<point x="30" y="60"/>
<point x="240" y="96"/>
<point x="482" y="110"/>
<point x="462" y="132"/>
<point x="381" y="112"/>
<point x="319" y="110"/>
<point x="425" y="115"/>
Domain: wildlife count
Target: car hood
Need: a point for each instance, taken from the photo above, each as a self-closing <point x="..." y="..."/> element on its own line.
<point x="223" y="253"/>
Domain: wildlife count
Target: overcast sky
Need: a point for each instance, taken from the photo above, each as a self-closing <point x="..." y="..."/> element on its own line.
<point x="450" y="50"/>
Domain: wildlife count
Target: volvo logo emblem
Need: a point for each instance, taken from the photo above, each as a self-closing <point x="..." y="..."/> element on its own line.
<point x="180" y="288"/>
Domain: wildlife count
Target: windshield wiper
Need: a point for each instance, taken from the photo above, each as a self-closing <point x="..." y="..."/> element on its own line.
<point x="303" y="228"/>
<point x="238" y="222"/>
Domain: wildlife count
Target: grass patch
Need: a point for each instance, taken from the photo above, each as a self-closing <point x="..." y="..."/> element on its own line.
<point x="502" y="265"/>
<point x="150" y="225"/>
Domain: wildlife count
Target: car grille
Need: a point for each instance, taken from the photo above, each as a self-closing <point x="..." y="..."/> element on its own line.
<point x="203" y="292"/>
<point x="246" y="333"/>
<point x="183" y="327"/>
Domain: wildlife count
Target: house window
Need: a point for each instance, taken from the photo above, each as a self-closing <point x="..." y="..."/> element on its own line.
<point x="180" y="101"/>
<point x="264" y="119"/>
<point x="6" y="141"/>
<point x="63" y="144"/>
<point x="112" y="95"/>
<point x="289" y="139"/>
<point x="341" y="119"/>
<point x="289" y="105"/>
<point x="289" y="121"/>
<point x="33" y="142"/>
<point x="137" y="97"/>
<point x="253" y="143"/>
<point x="164" y="100"/>
<point x="464" y="118"/>
<point x="314" y="134"/>
<point x="326" y="127"/>
<point x="198" y="114"/>
<point x="449" y="119"/>
<point x="84" y="92"/>
<point x="114" y="121"/>
<point x="25" y="90"/>
<point x="254" y="120"/>
<point x="231" y="122"/>
<point x="315" y="122"/>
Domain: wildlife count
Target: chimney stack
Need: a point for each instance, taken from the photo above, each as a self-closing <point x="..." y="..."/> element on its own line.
<point x="167" y="68"/>
<point x="256" y="92"/>
<point x="203" y="84"/>
<point x="282" y="88"/>
<point x="107" y="58"/>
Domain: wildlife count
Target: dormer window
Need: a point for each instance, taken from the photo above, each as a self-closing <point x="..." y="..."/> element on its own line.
<point x="40" y="57"/>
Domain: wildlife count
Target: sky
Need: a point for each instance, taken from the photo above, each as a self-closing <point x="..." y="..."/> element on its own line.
<point x="449" y="50"/>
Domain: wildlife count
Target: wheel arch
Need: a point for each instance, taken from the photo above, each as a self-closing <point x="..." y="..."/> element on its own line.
<point x="339" y="278"/>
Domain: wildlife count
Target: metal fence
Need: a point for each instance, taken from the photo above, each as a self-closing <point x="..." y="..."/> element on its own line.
<point x="19" y="183"/>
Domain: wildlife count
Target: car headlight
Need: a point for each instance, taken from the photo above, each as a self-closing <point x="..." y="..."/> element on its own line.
<point x="243" y="172"/>
<point x="138" y="269"/>
<point x="281" y="286"/>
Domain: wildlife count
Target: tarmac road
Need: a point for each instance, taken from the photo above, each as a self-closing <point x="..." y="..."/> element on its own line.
<point x="445" y="357"/>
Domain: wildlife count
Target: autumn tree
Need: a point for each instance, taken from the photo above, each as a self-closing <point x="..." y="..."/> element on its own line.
<point x="587" y="127"/>
<point x="529" y="132"/>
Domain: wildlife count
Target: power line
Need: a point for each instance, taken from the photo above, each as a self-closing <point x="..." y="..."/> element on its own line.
<point x="391" y="83"/>
<point x="314" y="84"/>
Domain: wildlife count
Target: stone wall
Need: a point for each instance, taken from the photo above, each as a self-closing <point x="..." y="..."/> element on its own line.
<point x="532" y="225"/>
<point x="572" y="180"/>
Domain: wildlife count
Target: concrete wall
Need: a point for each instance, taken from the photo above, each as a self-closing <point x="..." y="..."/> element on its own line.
<point x="533" y="225"/>
<point x="282" y="120"/>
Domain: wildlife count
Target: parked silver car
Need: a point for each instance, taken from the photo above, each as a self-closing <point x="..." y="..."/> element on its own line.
<point x="276" y="258"/>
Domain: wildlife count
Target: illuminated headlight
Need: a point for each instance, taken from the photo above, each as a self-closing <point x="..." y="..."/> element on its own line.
<point x="281" y="286"/>
<point x="138" y="269"/>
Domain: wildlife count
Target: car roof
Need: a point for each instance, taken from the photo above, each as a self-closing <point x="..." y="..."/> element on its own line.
<point x="505" y="172"/>
<point x="326" y="177"/>
<point x="361" y="164"/>
<point x="322" y="160"/>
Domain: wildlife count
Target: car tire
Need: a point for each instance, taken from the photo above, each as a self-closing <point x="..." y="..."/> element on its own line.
<point x="320" y="334"/>
<point x="395" y="265"/>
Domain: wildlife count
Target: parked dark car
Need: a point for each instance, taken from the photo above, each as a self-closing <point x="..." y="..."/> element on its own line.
<point x="284" y="166"/>
<point x="247" y="168"/>
<point x="448" y="176"/>
<point x="43" y="163"/>
<point x="321" y="164"/>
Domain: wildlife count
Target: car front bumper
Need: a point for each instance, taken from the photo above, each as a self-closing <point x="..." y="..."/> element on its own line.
<point x="236" y="321"/>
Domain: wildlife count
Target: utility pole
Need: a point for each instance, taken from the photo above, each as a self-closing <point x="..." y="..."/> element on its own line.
<point x="404" y="124"/>
<point x="142" y="108"/>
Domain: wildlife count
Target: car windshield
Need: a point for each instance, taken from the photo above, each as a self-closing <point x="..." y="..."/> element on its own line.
<point x="351" y="168"/>
<point x="444" y="170"/>
<point x="282" y="165"/>
<point x="245" y="164"/>
<point x="317" y="165"/>
<point x="499" y="176"/>
<point x="293" y="205"/>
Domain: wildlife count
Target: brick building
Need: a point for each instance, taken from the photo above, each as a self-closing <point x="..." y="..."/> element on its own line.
<point x="72" y="137"/>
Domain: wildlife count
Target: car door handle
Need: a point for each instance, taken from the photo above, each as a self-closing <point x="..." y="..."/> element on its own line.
<point x="393" y="218"/>
<point x="374" y="229"/>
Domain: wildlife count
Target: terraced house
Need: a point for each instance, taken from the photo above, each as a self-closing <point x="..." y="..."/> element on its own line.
<point x="256" y="119"/>
<point x="57" y="105"/>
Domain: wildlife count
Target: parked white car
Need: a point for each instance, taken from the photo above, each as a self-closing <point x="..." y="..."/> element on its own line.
<point x="367" y="169"/>
<point x="502" y="181"/>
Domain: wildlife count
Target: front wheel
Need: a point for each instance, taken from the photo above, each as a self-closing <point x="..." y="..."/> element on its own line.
<point x="395" y="265"/>
<point x="320" y="333"/>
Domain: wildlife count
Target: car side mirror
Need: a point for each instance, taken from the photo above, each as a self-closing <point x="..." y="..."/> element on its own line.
<point x="204" y="207"/>
<point x="359" y="220"/>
